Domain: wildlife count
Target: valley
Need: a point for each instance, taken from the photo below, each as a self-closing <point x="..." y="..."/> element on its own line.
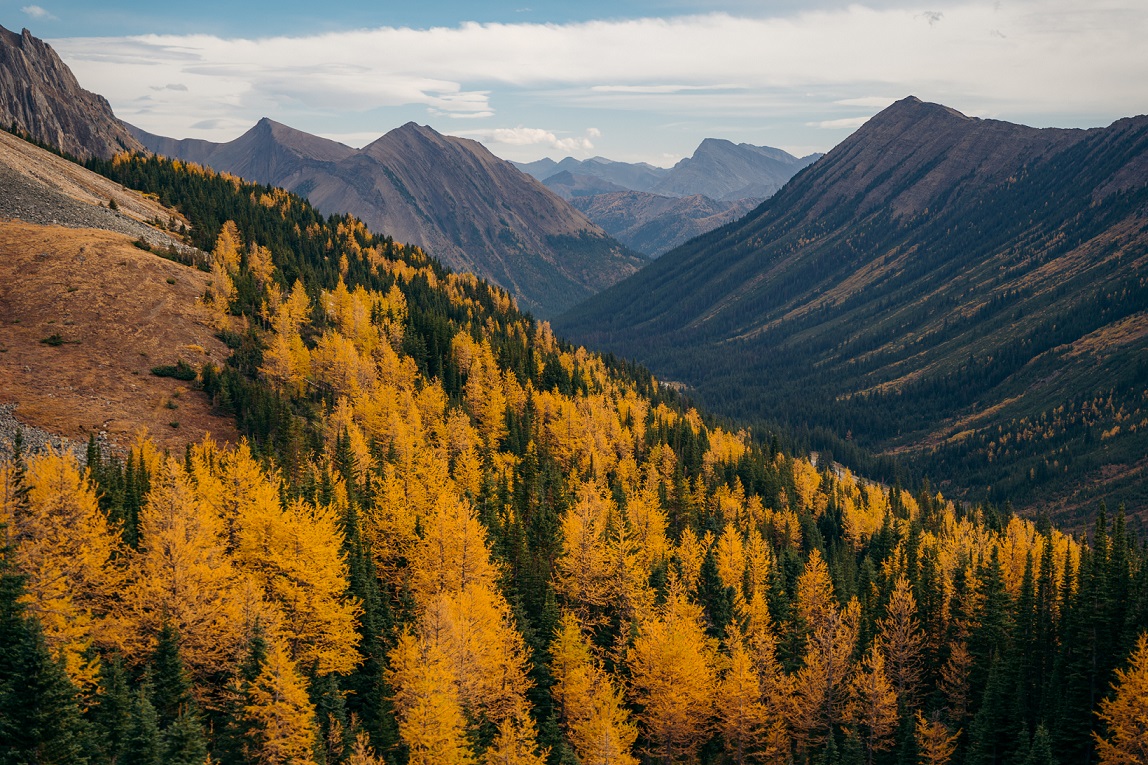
<point x="411" y="455"/>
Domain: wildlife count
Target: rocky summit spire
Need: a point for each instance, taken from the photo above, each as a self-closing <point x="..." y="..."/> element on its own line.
<point x="41" y="97"/>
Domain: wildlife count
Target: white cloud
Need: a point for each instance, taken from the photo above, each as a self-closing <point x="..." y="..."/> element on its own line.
<point x="1056" y="58"/>
<point x="525" y="136"/>
<point x="846" y="123"/>
<point x="37" y="12"/>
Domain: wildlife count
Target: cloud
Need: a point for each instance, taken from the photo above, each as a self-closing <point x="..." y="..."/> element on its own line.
<point x="37" y="12"/>
<point x="662" y="89"/>
<point x="526" y="136"/>
<point x="1060" y="58"/>
<point x="846" y="123"/>
<point x="176" y="86"/>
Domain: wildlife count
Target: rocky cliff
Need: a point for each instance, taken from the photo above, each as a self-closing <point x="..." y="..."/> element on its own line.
<point x="41" y="97"/>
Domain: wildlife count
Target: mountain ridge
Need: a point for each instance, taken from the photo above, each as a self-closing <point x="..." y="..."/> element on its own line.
<point x="448" y="195"/>
<point x="930" y="269"/>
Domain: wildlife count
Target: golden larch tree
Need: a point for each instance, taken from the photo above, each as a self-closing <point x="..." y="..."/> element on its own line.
<point x="1125" y="713"/>
<point x="516" y="742"/>
<point x="64" y="547"/>
<point x="935" y="744"/>
<point x="431" y="721"/>
<point x="872" y="708"/>
<point x="280" y="713"/>
<point x="584" y="575"/>
<point x="902" y="642"/>
<point x="742" y="715"/>
<point x="776" y="686"/>
<point x="672" y="664"/>
<point x="822" y="683"/>
<point x="596" y="722"/>
<point x="182" y="575"/>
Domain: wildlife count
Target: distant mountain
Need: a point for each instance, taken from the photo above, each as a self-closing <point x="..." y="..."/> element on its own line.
<point x="726" y="171"/>
<point x="969" y="295"/>
<point x="654" y="224"/>
<point x="720" y="182"/>
<point x="638" y="176"/>
<point x="449" y="195"/>
<point x="718" y="169"/>
<point x="40" y="97"/>
<point x="570" y="185"/>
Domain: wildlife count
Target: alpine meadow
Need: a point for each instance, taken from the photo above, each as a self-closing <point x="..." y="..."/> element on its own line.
<point x="321" y="455"/>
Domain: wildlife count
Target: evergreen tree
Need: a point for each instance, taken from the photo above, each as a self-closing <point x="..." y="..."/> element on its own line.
<point x="143" y="742"/>
<point x="40" y="719"/>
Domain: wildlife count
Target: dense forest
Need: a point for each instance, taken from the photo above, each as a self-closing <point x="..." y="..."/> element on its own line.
<point x="450" y="537"/>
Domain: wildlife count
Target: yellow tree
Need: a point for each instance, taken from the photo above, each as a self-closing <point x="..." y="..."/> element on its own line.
<point x="64" y="547"/>
<point x="362" y="753"/>
<point x="954" y="684"/>
<point x="183" y="576"/>
<point x="431" y="722"/>
<point x="584" y="577"/>
<point x="279" y="713"/>
<point x="287" y="362"/>
<point x="1125" y="713"/>
<point x="596" y="721"/>
<point x="823" y="680"/>
<point x="873" y="706"/>
<point x="224" y="265"/>
<point x="742" y="716"/>
<point x="516" y="741"/>
<point x="452" y="552"/>
<point x="935" y="744"/>
<point x="487" y="656"/>
<point x="902" y="642"/>
<point x="776" y="686"/>
<point x="672" y="664"/>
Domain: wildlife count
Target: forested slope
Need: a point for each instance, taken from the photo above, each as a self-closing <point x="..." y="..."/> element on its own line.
<point x="969" y="295"/>
<point x="451" y="538"/>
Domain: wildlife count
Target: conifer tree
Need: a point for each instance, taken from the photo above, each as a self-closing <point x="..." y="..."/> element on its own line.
<point x="279" y="712"/>
<point x="1125" y="712"/>
<point x="672" y="666"/>
<point x="143" y="742"/>
<point x="39" y="714"/>
<point x="872" y="708"/>
<point x="935" y="743"/>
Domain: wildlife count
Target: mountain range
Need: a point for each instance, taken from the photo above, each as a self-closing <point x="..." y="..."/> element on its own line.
<point x="638" y="203"/>
<point x="968" y="295"/>
<point x="448" y="195"/>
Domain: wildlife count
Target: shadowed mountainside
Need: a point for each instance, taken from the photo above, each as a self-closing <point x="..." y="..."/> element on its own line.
<point x="969" y="294"/>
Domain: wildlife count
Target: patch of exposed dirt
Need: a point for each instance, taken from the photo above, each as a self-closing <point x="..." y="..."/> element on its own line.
<point x="119" y="311"/>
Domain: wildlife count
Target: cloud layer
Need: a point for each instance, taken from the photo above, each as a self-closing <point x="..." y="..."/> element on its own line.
<point x="828" y="68"/>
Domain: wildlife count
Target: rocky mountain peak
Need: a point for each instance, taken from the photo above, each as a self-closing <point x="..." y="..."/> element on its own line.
<point x="41" y="97"/>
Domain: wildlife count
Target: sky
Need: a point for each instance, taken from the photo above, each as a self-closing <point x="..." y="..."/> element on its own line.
<point x="631" y="80"/>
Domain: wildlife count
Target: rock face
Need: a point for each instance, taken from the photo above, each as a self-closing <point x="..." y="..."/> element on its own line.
<point x="41" y="97"/>
<point x="937" y="287"/>
<point x="451" y="196"/>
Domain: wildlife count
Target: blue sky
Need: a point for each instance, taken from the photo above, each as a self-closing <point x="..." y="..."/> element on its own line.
<point x="628" y="80"/>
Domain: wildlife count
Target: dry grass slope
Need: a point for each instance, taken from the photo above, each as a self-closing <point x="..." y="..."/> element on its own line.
<point x="120" y="311"/>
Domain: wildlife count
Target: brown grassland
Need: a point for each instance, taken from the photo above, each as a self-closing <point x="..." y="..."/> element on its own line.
<point x="120" y="311"/>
